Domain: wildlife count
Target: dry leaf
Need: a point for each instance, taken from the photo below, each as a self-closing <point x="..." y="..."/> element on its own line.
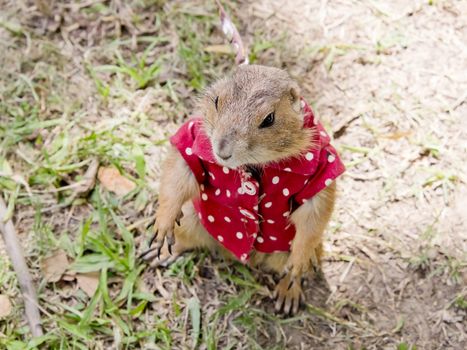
<point x="54" y="266"/>
<point x="5" y="306"/>
<point x="113" y="181"/>
<point x="69" y="276"/>
<point x="88" y="282"/>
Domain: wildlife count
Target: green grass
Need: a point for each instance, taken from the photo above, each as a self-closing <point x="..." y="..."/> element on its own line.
<point x="118" y="101"/>
<point x="47" y="140"/>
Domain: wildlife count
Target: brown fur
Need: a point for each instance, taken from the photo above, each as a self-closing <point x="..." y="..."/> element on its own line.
<point x="244" y="100"/>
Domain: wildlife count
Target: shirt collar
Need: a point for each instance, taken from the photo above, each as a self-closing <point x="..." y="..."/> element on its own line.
<point x="202" y="146"/>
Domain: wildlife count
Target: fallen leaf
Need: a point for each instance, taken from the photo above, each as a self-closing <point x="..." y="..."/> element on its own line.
<point x="113" y="181"/>
<point x="88" y="282"/>
<point x="69" y="276"/>
<point x="5" y="306"/>
<point x="54" y="266"/>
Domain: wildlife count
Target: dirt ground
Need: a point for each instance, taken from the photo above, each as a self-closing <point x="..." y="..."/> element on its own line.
<point x="387" y="78"/>
<point x="397" y="88"/>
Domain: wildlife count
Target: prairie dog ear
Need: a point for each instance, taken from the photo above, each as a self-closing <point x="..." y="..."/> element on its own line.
<point x="294" y="92"/>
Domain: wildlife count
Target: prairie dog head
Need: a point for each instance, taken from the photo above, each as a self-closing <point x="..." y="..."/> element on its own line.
<point x="254" y="117"/>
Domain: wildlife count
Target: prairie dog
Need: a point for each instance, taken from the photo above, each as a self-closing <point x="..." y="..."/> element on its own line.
<point x="255" y="175"/>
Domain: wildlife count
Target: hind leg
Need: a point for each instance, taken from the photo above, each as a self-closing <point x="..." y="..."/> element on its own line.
<point x="310" y="221"/>
<point x="189" y="235"/>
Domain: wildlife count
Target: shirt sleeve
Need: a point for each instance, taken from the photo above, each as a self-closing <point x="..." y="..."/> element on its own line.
<point x="183" y="141"/>
<point x="329" y="168"/>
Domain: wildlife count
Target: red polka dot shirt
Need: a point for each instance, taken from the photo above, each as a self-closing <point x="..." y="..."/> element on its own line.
<point x="245" y="212"/>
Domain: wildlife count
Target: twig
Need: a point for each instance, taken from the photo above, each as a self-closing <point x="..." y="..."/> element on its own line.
<point x="342" y="126"/>
<point x="15" y="252"/>
<point x="232" y="35"/>
<point x="89" y="178"/>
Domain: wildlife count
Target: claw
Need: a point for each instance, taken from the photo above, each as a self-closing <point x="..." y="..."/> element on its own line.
<point x="146" y="252"/>
<point x="150" y="223"/>
<point x="159" y="252"/>
<point x="169" y="247"/>
<point x="178" y="218"/>
<point x="153" y="238"/>
<point x="290" y="284"/>
<point x="170" y="241"/>
<point x="314" y="260"/>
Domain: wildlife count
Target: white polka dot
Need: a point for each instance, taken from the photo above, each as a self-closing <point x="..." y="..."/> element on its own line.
<point x="220" y="238"/>
<point x="244" y="220"/>
<point x="260" y="239"/>
<point x="302" y="104"/>
<point x="200" y="216"/>
<point x="323" y="133"/>
<point x="287" y="169"/>
<point x="306" y="181"/>
<point x="218" y="192"/>
<point x="285" y="192"/>
<point x="254" y="235"/>
<point x="255" y="208"/>
<point x="225" y="170"/>
<point x="190" y="125"/>
<point x="202" y="187"/>
<point x="273" y="238"/>
<point x="227" y="219"/>
<point x="286" y="214"/>
<point x="290" y="242"/>
<point x="249" y="188"/>
<point x="239" y="235"/>
<point x="331" y="158"/>
<point x="246" y="213"/>
<point x="212" y="175"/>
<point x="304" y="201"/>
<point x="188" y="151"/>
<point x="270" y="221"/>
<point x="211" y="218"/>
<point x="275" y="180"/>
<point x="240" y="190"/>
<point x="227" y="193"/>
<point x="204" y="196"/>
<point x="328" y="182"/>
<point x="309" y="156"/>
<point x="268" y="205"/>
<point x="243" y="257"/>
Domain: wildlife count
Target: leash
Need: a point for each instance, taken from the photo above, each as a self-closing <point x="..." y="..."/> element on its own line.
<point x="232" y="35"/>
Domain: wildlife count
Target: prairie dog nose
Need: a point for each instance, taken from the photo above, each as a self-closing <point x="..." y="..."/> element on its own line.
<point x="224" y="148"/>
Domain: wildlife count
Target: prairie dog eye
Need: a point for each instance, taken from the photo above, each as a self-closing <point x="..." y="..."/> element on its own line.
<point x="268" y="121"/>
<point x="216" y="102"/>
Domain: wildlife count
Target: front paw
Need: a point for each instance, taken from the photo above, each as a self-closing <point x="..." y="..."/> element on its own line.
<point x="288" y="294"/>
<point x="163" y="233"/>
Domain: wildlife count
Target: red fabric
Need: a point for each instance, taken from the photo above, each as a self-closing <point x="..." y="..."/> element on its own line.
<point x="244" y="215"/>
